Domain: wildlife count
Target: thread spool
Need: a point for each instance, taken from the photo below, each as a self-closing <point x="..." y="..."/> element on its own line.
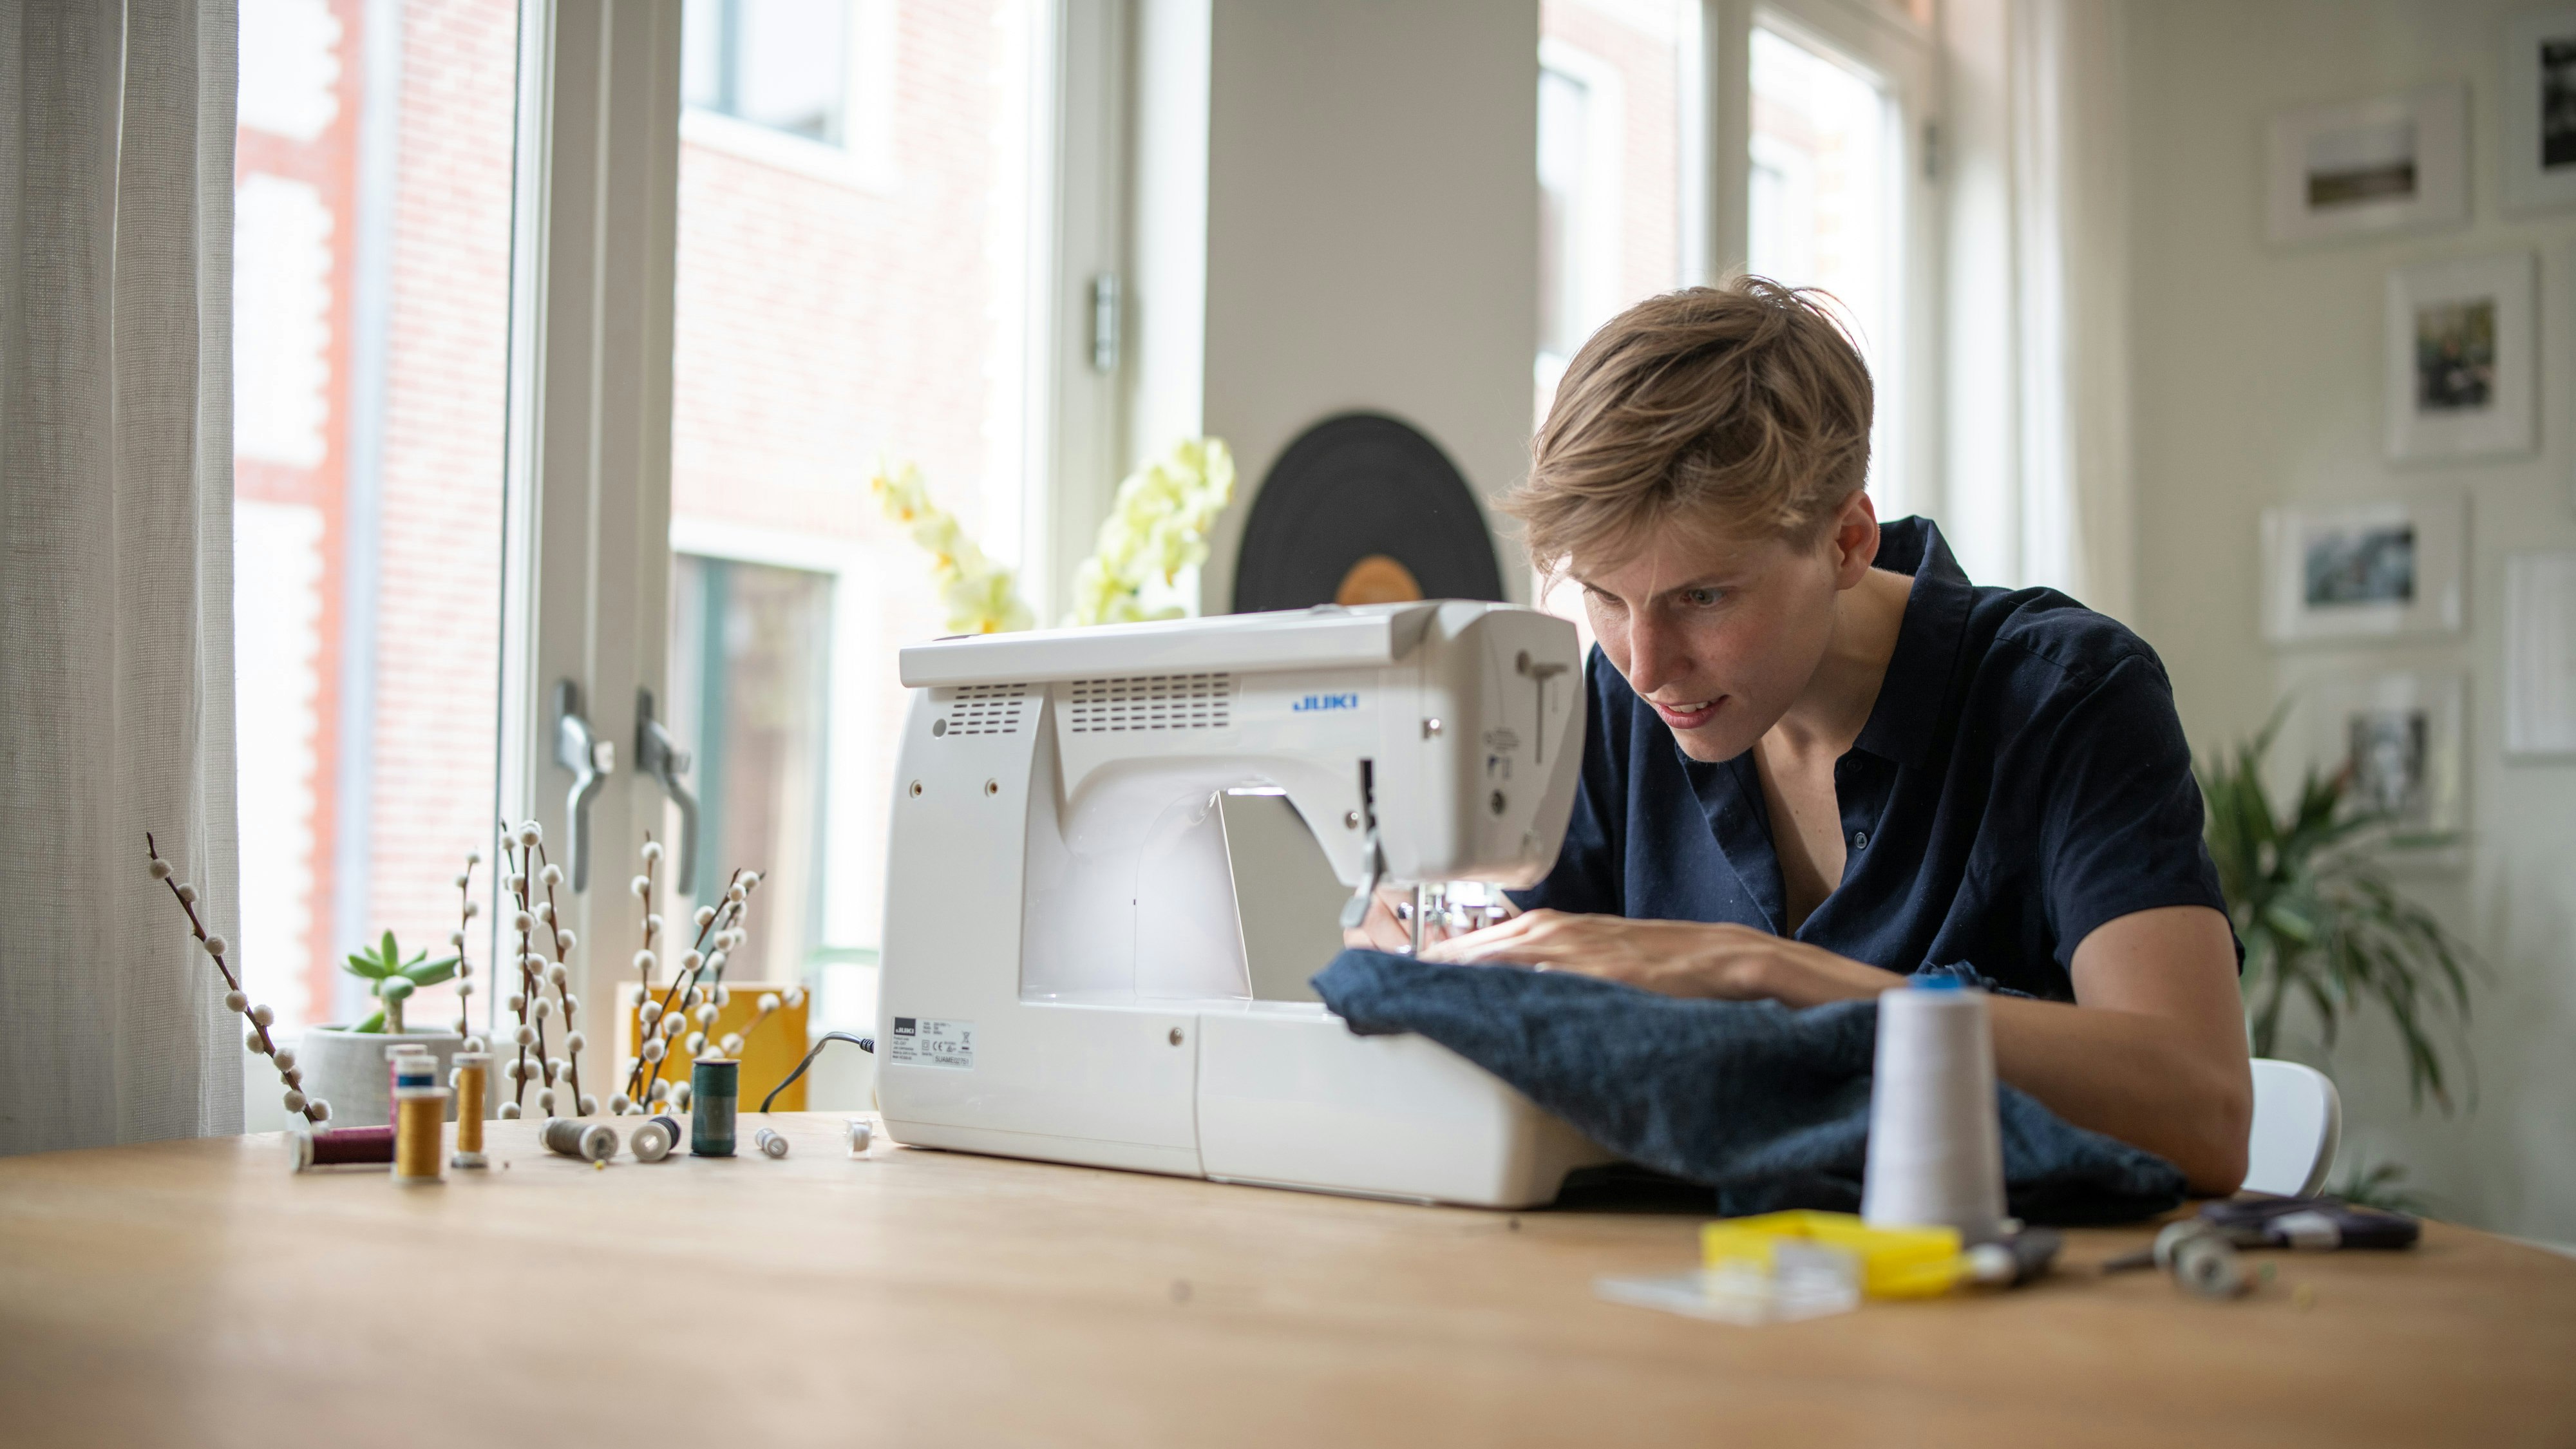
<point x="1935" y="1155"/>
<point x="770" y="1141"/>
<point x="340" y="1147"/>
<point x="423" y="1073"/>
<point x="715" y="1083"/>
<point x="420" y="1117"/>
<point x="862" y="1132"/>
<point x="473" y="1074"/>
<point x="589" y="1141"/>
<point x="653" y="1139"/>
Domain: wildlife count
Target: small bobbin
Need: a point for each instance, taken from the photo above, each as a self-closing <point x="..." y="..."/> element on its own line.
<point x="770" y="1141"/>
<point x="653" y="1139"/>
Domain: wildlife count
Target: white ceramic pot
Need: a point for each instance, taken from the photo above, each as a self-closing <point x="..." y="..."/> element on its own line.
<point x="347" y="1069"/>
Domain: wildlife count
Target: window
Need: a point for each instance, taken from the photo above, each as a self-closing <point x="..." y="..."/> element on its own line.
<point x="1822" y="206"/>
<point x="820" y="328"/>
<point x="372" y="214"/>
<point x="1614" y="86"/>
<point x="809" y="86"/>
<point x="1610" y="94"/>
<point x="784" y="64"/>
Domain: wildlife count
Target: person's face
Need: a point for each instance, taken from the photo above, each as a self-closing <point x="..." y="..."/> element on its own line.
<point x="1722" y="634"/>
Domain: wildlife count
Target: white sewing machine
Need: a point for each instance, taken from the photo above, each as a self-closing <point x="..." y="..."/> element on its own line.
<point x="1064" y="967"/>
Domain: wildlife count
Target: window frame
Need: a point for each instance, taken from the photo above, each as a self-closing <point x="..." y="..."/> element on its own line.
<point x="1889" y="41"/>
<point x="587" y="540"/>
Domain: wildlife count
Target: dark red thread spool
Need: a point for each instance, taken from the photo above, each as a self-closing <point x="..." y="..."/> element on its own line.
<point x="343" y="1147"/>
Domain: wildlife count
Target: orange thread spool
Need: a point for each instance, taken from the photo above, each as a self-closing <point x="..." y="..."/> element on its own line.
<point x="473" y="1073"/>
<point x="420" y="1115"/>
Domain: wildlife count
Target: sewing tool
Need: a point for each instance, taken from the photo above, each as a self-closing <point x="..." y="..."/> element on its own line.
<point x="473" y="1073"/>
<point x="420" y="1117"/>
<point x="340" y="1147"/>
<point x="589" y="1141"/>
<point x="1935" y="1155"/>
<point x="715" y="1085"/>
<point x="862" y="1133"/>
<point x="653" y="1139"/>
<point x="2203" y="1252"/>
<point x="770" y="1141"/>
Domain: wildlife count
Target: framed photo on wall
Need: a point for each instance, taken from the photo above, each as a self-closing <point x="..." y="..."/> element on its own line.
<point x="2462" y="358"/>
<point x="2396" y="737"/>
<point x="2397" y="163"/>
<point x="2365" y="571"/>
<point x="2540" y="111"/>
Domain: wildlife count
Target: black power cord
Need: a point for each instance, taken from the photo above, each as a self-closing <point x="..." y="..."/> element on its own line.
<point x="866" y="1044"/>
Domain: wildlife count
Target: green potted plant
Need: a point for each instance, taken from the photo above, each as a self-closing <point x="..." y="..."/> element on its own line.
<point x="2321" y="920"/>
<point x="346" y="1064"/>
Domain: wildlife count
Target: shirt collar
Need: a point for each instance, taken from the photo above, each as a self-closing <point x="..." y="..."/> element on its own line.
<point x="1905" y="724"/>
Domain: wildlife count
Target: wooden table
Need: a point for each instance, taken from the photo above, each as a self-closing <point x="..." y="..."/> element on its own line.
<point x="196" y="1293"/>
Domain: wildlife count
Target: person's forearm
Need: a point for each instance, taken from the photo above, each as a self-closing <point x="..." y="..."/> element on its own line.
<point x="2133" y="1076"/>
<point x="2125" y="1074"/>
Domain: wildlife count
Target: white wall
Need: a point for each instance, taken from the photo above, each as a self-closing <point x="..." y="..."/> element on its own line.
<point x="1372" y="232"/>
<point x="2257" y="381"/>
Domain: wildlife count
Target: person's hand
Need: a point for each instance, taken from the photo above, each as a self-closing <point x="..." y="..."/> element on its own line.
<point x="1676" y="958"/>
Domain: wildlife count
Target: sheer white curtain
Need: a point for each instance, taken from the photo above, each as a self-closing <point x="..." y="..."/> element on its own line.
<point x="116" y="162"/>
<point x="2038" y="476"/>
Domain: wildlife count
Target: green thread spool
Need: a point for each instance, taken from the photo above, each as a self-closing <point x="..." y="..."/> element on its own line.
<point x="715" y="1084"/>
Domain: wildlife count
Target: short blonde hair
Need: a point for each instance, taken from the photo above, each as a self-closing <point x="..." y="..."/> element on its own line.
<point x="1744" y="408"/>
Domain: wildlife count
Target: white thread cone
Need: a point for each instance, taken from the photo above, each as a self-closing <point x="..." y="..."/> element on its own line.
<point x="1935" y="1158"/>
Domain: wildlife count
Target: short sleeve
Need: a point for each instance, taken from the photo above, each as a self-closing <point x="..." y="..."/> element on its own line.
<point x="2121" y="813"/>
<point x="1586" y="878"/>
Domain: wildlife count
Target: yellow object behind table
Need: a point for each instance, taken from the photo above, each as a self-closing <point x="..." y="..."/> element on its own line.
<point x="768" y="1054"/>
<point x="1894" y="1262"/>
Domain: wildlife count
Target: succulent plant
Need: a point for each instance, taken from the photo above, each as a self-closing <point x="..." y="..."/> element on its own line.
<point x="391" y="980"/>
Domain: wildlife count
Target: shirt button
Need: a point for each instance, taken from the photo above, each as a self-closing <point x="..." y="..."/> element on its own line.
<point x="1860" y="840"/>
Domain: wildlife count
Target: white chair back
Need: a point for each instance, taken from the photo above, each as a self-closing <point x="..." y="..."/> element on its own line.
<point x="2298" y="1119"/>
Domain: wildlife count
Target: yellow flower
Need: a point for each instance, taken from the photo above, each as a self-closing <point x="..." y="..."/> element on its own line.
<point x="1156" y="528"/>
<point x="980" y="596"/>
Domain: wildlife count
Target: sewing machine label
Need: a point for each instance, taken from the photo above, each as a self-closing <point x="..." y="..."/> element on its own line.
<point x="927" y="1041"/>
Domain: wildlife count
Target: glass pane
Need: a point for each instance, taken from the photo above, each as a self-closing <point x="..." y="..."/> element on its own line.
<point x="1610" y="107"/>
<point x="371" y="312"/>
<point x="838" y="304"/>
<point x="1823" y="193"/>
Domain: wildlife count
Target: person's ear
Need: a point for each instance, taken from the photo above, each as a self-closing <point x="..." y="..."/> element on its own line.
<point x="1855" y="539"/>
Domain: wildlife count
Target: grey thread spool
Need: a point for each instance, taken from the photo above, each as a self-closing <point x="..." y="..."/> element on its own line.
<point x="770" y="1142"/>
<point x="654" y="1138"/>
<point x="715" y="1083"/>
<point x="1935" y="1149"/>
<point x="589" y="1141"/>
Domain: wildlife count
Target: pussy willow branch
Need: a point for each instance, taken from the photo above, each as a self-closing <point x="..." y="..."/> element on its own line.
<point x="563" y="993"/>
<point x="197" y="928"/>
<point x="722" y="920"/>
<point x="510" y="854"/>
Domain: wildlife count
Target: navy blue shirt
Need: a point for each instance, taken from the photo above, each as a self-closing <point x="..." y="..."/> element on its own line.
<point x="2022" y="779"/>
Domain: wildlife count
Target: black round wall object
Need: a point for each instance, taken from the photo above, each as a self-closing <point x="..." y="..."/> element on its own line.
<point x="1363" y="508"/>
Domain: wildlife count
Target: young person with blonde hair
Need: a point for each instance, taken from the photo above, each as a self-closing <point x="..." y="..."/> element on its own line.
<point x="1819" y="759"/>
